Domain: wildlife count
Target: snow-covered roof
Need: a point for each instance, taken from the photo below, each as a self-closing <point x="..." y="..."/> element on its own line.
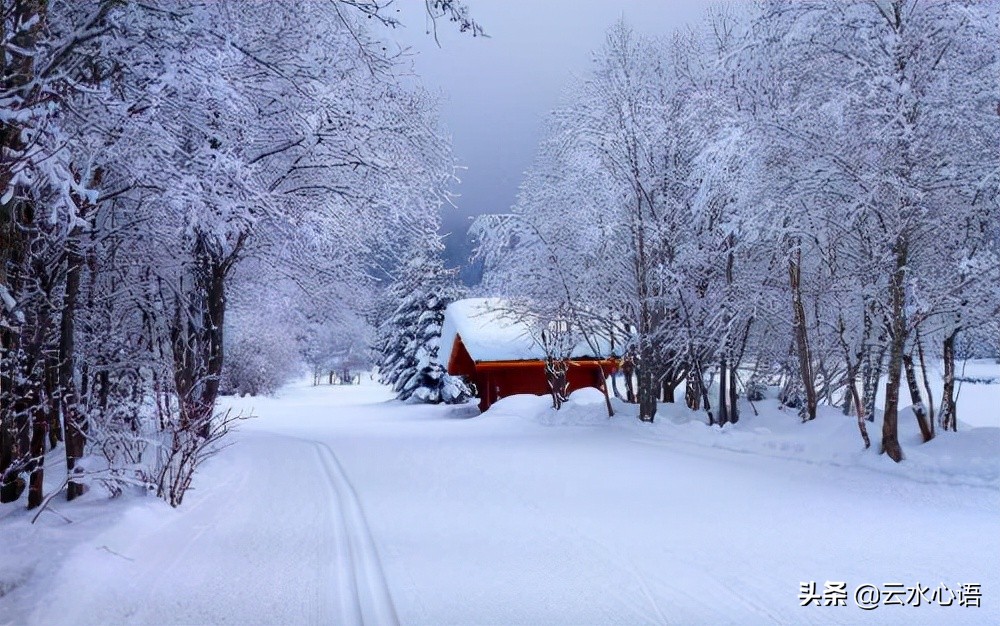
<point x="491" y="331"/>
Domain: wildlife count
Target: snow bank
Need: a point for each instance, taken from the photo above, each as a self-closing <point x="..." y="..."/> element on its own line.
<point x="32" y="553"/>
<point x="969" y="457"/>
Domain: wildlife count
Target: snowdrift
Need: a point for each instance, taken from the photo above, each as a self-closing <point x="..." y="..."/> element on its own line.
<point x="970" y="456"/>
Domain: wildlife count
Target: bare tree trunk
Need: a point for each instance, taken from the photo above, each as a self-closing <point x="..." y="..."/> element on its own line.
<point x="8" y="350"/>
<point x="848" y="400"/>
<point x="723" y="394"/>
<point x="871" y="368"/>
<point x="603" y="386"/>
<point x="861" y="414"/>
<point x="918" y="402"/>
<point x="707" y="403"/>
<point x="214" y="327"/>
<point x="54" y="428"/>
<point x="949" y="417"/>
<point x="197" y="337"/>
<point x="647" y="388"/>
<point x="897" y="294"/>
<point x="734" y="411"/>
<point x="36" y="481"/>
<point x="853" y="365"/>
<point x="39" y="367"/>
<point x="19" y="439"/>
<point x="692" y="392"/>
<point x="741" y="348"/>
<point x="628" y="370"/>
<point x="39" y="389"/>
<point x="927" y="384"/>
<point x="703" y="390"/>
<point x="614" y="374"/>
<point x="614" y="386"/>
<point x="13" y="409"/>
<point x="646" y="381"/>
<point x="668" y="385"/>
<point x="72" y="417"/>
<point x="556" y="377"/>
<point x="801" y="337"/>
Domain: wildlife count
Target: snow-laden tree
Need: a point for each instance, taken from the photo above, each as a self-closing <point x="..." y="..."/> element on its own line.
<point x="409" y="338"/>
<point x="150" y="150"/>
<point x="894" y="87"/>
<point x="47" y="58"/>
<point x="607" y="163"/>
<point x="806" y="188"/>
<point x="639" y="158"/>
<point x="310" y="152"/>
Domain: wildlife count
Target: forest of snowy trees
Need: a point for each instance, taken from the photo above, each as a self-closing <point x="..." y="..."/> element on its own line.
<point x="804" y="192"/>
<point x="183" y="179"/>
<point x="199" y="197"/>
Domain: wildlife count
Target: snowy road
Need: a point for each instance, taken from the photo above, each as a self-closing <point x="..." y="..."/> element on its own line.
<point x="338" y="507"/>
<point x="277" y="537"/>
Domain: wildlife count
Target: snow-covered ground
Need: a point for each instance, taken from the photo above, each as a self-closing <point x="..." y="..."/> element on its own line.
<point x="338" y="505"/>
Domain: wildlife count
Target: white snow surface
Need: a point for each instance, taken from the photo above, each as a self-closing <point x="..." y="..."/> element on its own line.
<point x="490" y="331"/>
<point x="339" y="505"/>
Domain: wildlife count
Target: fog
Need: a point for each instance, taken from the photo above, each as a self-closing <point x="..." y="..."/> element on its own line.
<point x="496" y="91"/>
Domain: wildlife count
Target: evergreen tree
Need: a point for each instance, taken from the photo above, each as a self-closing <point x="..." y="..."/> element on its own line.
<point x="409" y="337"/>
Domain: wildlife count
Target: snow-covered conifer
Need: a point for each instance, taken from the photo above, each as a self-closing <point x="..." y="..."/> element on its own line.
<point x="410" y="336"/>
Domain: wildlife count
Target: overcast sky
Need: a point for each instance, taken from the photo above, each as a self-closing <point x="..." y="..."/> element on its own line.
<point x="496" y="91"/>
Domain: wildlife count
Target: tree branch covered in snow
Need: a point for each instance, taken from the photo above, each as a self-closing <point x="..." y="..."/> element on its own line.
<point x="799" y="192"/>
<point x="176" y="177"/>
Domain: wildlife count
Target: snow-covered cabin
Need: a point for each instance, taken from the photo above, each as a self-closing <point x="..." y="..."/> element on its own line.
<point x="495" y="349"/>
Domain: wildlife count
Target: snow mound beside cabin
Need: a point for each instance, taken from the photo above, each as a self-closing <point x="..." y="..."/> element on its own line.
<point x="585" y="407"/>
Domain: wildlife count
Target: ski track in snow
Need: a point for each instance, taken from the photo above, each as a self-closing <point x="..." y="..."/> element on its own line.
<point x="363" y="592"/>
<point x="343" y="583"/>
